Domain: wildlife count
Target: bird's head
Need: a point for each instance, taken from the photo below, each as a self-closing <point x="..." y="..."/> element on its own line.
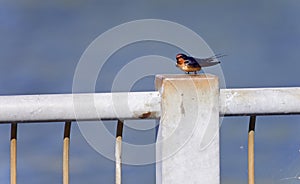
<point x="180" y="58"/>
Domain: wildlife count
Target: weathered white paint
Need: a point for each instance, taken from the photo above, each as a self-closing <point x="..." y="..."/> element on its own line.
<point x="136" y="105"/>
<point x="62" y="107"/>
<point x="259" y="101"/>
<point x="188" y="136"/>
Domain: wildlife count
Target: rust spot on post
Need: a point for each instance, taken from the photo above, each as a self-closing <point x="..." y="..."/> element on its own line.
<point x="145" y="115"/>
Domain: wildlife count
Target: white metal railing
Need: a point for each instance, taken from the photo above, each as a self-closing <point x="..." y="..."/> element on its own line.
<point x="139" y="105"/>
<point x="175" y="99"/>
<point x="260" y="101"/>
<point x="81" y="107"/>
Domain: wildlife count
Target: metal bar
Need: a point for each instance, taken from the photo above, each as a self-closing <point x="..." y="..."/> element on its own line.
<point x="140" y="105"/>
<point x="251" y="178"/>
<point x="69" y="107"/>
<point x="13" y="154"/>
<point x="259" y="101"/>
<point x="118" y="152"/>
<point x="66" y="148"/>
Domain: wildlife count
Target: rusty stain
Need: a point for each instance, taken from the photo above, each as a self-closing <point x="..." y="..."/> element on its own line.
<point x="182" y="108"/>
<point x="145" y="115"/>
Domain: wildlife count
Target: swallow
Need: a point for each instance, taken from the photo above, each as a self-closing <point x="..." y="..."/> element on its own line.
<point x="191" y="64"/>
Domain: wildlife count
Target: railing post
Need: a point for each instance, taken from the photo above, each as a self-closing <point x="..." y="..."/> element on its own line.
<point x="13" y="153"/>
<point x="118" y="152"/>
<point x="66" y="150"/>
<point x="251" y="176"/>
<point x="188" y="136"/>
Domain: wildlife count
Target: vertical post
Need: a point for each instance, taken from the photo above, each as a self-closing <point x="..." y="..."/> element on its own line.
<point x="66" y="148"/>
<point x="251" y="179"/>
<point x="118" y="152"/>
<point x="187" y="147"/>
<point x="13" y="154"/>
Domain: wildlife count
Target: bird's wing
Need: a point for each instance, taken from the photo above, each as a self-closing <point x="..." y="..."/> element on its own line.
<point x="210" y="61"/>
<point x="191" y="62"/>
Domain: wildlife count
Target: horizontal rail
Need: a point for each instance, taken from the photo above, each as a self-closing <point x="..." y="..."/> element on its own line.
<point x="81" y="107"/>
<point x="140" y="105"/>
<point x="259" y="101"/>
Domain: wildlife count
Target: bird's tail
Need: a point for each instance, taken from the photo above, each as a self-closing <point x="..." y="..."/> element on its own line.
<point x="218" y="56"/>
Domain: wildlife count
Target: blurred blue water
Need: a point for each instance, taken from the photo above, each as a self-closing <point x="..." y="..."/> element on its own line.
<point x="41" y="43"/>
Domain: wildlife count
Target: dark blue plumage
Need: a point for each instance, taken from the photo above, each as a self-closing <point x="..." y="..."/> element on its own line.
<point x="191" y="64"/>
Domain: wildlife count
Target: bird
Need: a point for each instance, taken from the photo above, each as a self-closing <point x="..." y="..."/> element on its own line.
<point x="191" y="64"/>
